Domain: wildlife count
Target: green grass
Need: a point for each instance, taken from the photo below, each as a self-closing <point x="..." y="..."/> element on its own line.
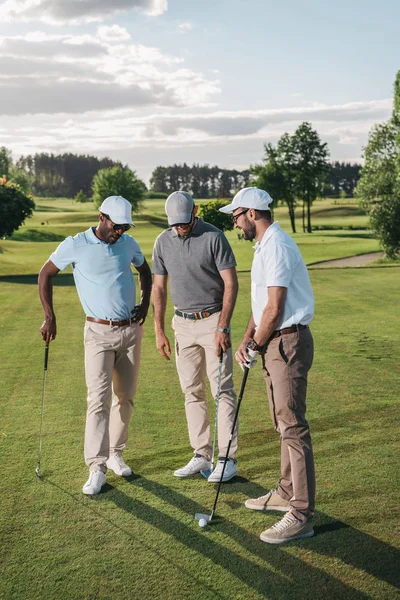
<point x="138" y="539"/>
<point x="58" y="218"/>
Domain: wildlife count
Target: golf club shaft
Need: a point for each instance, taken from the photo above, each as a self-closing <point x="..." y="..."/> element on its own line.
<point x="245" y="374"/>
<point x="46" y="358"/>
<point x="221" y="357"/>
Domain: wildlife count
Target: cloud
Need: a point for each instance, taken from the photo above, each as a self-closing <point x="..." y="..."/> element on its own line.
<point x="43" y="73"/>
<point x="75" y="11"/>
<point x="185" y="27"/>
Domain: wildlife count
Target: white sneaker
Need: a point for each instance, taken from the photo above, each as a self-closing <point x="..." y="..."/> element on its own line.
<point x="195" y="465"/>
<point x="94" y="484"/>
<point x="116" y="463"/>
<point x="230" y="471"/>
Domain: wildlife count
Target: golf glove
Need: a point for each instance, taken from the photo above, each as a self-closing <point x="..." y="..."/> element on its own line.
<point x="251" y="362"/>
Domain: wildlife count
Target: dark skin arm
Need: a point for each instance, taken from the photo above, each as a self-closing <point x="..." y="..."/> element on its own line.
<point x="48" y="329"/>
<point x="145" y="282"/>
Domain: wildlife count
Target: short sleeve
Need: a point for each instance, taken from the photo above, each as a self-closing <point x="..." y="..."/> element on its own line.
<point x="63" y="256"/>
<point x="279" y="265"/>
<point x="137" y="255"/>
<point x="157" y="262"/>
<point x="223" y="254"/>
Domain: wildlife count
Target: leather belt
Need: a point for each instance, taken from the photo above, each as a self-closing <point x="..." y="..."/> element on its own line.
<point x="287" y="330"/>
<point x="110" y="323"/>
<point x="203" y="314"/>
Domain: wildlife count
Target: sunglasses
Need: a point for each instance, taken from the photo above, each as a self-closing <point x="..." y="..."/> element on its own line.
<point x="115" y="226"/>
<point x="235" y="217"/>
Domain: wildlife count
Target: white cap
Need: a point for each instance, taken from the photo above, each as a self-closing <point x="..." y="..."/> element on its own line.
<point x="250" y="197"/>
<point x="179" y="208"/>
<point x="118" y="209"/>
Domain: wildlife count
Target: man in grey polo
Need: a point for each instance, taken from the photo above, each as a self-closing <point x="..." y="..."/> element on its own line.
<point x="203" y="285"/>
<point x="101" y="259"/>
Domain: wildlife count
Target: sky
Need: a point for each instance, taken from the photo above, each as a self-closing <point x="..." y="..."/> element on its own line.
<point x="157" y="82"/>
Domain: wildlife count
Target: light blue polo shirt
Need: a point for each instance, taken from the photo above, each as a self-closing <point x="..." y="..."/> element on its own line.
<point x="102" y="273"/>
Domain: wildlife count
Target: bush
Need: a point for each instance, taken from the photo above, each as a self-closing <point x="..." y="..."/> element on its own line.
<point x="209" y="212"/>
<point x="81" y="197"/>
<point x="15" y="207"/>
<point x="385" y="221"/>
<point x="118" y="181"/>
<point x="150" y="195"/>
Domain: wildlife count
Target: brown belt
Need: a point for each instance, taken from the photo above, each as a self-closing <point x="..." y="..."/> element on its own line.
<point x="286" y="330"/>
<point x="110" y="323"/>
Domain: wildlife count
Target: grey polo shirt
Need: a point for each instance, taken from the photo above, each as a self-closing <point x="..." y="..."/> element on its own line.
<point x="193" y="265"/>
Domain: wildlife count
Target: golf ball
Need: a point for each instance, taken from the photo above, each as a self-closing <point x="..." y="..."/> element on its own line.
<point x="203" y="523"/>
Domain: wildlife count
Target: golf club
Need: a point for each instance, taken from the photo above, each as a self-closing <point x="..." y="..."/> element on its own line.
<point x="46" y="358"/>
<point x="203" y="518"/>
<point x="207" y="472"/>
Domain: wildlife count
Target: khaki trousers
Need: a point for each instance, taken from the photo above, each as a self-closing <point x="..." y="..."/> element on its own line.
<point x="196" y="357"/>
<point x="112" y="357"/>
<point x="286" y="364"/>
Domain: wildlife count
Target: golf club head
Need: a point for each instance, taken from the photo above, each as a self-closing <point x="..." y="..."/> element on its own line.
<point x="38" y="473"/>
<point x="207" y="472"/>
<point x="199" y="516"/>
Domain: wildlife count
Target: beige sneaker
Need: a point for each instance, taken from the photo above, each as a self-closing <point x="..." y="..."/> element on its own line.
<point x="271" y="501"/>
<point x="287" y="529"/>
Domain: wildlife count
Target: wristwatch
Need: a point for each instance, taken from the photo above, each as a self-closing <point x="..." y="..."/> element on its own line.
<point x="252" y="345"/>
<point x="224" y="329"/>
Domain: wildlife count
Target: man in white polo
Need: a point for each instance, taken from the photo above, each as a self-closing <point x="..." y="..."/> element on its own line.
<point x="203" y="285"/>
<point x="101" y="259"/>
<point x="282" y="303"/>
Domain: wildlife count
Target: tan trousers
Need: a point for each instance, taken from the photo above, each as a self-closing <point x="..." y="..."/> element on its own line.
<point x="286" y="364"/>
<point x="112" y="357"/>
<point x="196" y="357"/>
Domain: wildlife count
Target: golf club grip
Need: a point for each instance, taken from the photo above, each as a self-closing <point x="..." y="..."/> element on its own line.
<point x="46" y="357"/>
<point x="221" y="354"/>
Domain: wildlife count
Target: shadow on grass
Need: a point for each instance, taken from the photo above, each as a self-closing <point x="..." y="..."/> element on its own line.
<point x="284" y="575"/>
<point x="35" y="235"/>
<point x="60" y="281"/>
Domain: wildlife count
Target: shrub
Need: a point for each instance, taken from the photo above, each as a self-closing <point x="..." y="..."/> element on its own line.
<point x="15" y="207"/>
<point x="209" y="212"/>
<point x="385" y="221"/>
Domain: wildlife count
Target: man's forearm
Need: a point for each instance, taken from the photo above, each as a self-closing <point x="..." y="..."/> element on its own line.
<point x="250" y="329"/>
<point x="159" y="307"/>
<point x="46" y="294"/>
<point x="228" y="303"/>
<point x="145" y="282"/>
<point x="269" y="321"/>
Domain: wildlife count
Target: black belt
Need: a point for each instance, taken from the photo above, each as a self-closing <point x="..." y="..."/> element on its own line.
<point x="203" y="314"/>
<point x="287" y="330"/>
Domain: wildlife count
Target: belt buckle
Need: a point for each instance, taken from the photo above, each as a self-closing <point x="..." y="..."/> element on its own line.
<point x="197" y="316"/>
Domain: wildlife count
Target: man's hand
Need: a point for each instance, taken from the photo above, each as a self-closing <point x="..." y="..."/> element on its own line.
<point x="222" y="340"/>
<point x="245" y="356"/>
<point x="49" y="329"/>
<point x="139" y="313"/>
<point x="163" y="345"/>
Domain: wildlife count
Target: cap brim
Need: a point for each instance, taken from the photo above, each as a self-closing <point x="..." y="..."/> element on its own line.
<point x="228" y="209"/>
<point x="178" y="219"/>
<point x="121" y="220"/>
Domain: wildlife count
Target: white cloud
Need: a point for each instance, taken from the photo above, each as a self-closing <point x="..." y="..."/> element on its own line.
<point x="93" y="72"/>
<point x="185" y="27"/>
<point x="114" y="33"/>
<point x="75" y="11"/>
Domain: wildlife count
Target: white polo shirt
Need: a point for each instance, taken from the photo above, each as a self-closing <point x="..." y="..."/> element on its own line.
<point x="278" y="262"/>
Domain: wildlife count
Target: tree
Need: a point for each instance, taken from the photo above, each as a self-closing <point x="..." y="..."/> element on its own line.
<point x="277" y="174"/>
<point x="379" y="187"/>
<point x="15" y="207"/>
<point x="5" y="161"/>
<point x="310" y="157"/>
<point x="118" y="181"/>
<point x="209" y="212"/>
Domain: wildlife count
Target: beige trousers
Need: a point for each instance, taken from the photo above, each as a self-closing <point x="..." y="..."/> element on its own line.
<point x="196" y="358"/>
<point x="112" y="357"/>
<point x="286" y="364"/>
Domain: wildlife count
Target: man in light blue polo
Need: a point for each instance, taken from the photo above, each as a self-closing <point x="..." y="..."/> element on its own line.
<point x="101" y="259"/>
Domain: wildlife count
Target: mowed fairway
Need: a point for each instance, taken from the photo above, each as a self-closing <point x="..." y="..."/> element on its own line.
<point x="138" y="539"/>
